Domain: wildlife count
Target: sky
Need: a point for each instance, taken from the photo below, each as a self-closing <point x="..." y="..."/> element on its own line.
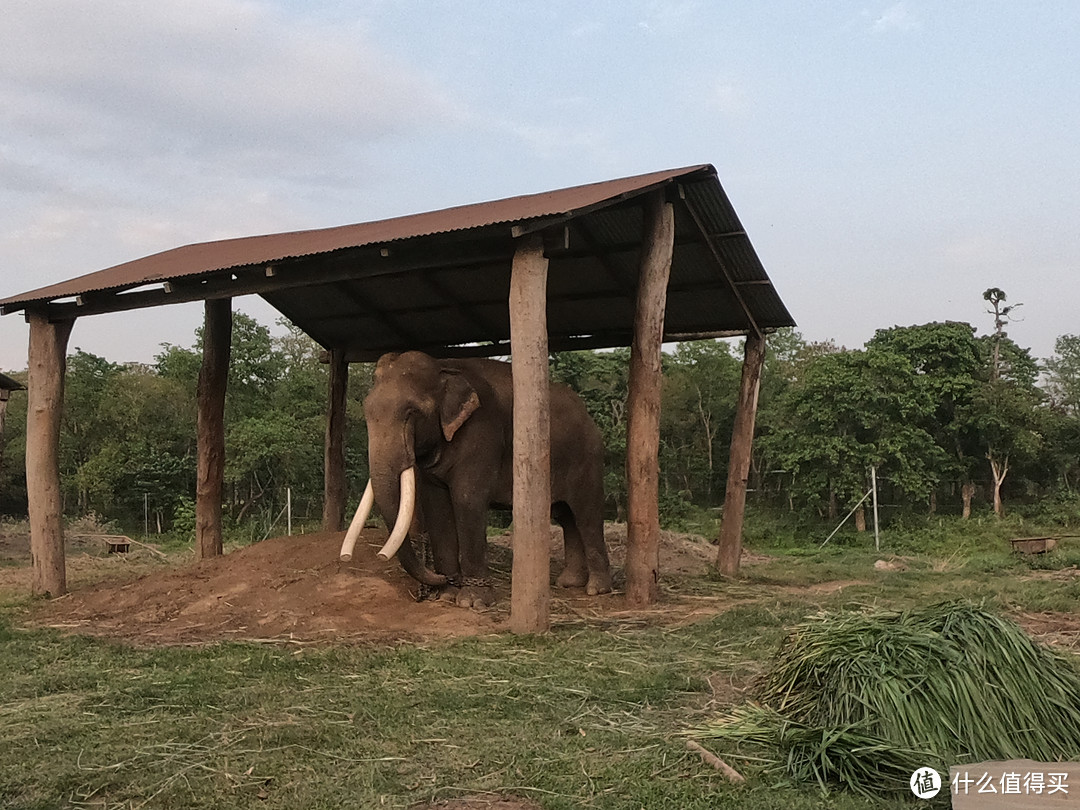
<point x="890" y="161"/>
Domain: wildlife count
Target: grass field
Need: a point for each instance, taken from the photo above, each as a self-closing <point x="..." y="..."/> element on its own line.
<point x="591" y="715"/>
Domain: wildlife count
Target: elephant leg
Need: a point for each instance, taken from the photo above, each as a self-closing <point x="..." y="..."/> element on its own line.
<point x="575" y="573"/>
<point x="442" y="534"/>
<point x="470" y="515"/>
<point x="589" y="521"/>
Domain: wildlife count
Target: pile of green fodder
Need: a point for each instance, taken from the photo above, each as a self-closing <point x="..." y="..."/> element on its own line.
<point x="864" y="699"/>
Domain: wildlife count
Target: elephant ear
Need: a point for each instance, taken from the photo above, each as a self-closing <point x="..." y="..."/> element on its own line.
<point x="459" y="402"/>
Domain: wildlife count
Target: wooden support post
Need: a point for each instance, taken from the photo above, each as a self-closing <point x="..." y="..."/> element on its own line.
<point x="4" y="393"/>
<point x="45" y="401"/>
<point x="742" y="437"/>
<point x="334" y="450"/>
<point x="531" y="591"/>
<point x="213" y="380"/>
<point x="643" y="405"/>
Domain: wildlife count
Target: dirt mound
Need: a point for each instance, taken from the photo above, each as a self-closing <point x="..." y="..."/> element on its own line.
<point x="284" y="587"/>
<point x="294" y="588"/>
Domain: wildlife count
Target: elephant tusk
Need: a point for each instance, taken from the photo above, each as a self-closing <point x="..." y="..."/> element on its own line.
<point x="361" y="516"/>
<point x="406" y="507"/>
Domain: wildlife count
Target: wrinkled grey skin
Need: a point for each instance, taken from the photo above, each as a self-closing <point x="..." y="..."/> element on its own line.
<point x="453" y="419"/>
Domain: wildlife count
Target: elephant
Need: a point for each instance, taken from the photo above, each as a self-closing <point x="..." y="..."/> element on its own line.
<point x="440" y="453"/>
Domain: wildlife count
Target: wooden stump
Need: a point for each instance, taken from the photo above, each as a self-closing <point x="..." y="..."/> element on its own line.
<point x="45" y="401"/>
<point x="643" y="405"/>
<point x="742" y="438"/>
<point x="530" y="590"/>
<point x="334" y="489"/>
<point x="4" y="393"/>
<point x="213" y="380"/>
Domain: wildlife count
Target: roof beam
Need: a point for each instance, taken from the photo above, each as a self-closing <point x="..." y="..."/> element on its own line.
<point x="288" y="274"/>
<point x="557" y="343"/>
<point x="564" y="298"/>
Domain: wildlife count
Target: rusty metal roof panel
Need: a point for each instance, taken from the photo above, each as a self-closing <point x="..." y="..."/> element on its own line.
<point x="714" y="206"/>
<point x="207" y="257"/>
<point x="440" y="280"/>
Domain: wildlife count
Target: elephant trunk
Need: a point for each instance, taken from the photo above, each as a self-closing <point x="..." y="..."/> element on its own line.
<point x="416" y="569"/>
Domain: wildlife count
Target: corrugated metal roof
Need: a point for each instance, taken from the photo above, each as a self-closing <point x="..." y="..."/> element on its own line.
<point x="440" y="279"/>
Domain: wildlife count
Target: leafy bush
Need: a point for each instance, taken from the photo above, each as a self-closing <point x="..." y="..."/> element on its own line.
<point x="1060" y="509"/>
<point x="675" y="510"/>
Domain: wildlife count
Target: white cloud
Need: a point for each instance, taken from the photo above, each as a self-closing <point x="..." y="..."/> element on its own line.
<point x="131" y="127"/>
<point x="896" y="17"/>
<point x="727" y="98"/>
<point x="551" y="141"/>
<point x="979" y="252"/>
<point x="202" y="79"/>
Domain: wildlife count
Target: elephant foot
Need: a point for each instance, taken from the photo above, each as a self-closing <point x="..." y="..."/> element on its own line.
<point x="598" y="583"/>
<point x="573" y="578"/>
<point x="447" y="593"/>
<point x="476" y="596"/>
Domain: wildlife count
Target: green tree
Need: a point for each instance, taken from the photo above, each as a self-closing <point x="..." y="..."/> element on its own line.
<point x="853" y="410"/>
<point x="601" y="380"/>
<point x="787" y="356"/>
<point x="949" y="365"/>
<point x="1063" y="375"/>
<point x="700" y="390"/>
<point x="83" y="432"/>
<point x="1001" y="313"/>
<point x="1007" y="412"/>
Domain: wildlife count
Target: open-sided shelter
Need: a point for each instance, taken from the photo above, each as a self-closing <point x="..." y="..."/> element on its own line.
<point x="635" y="261"/>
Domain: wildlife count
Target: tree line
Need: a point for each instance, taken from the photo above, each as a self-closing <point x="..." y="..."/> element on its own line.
<point x="950" y="420"/>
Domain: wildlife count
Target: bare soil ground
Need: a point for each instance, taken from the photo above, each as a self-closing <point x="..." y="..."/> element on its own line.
<point x="295" y="589"/>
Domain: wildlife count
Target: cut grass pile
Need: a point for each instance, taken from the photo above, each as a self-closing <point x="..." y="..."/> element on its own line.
<point x="863" y="699"/>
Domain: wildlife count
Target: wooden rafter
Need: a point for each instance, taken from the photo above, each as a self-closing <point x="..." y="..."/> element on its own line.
<point x="365" y="306"/>
<point x="721" y="264"/>
<point x="467" y="309"/>
<point x="604" y="258"/>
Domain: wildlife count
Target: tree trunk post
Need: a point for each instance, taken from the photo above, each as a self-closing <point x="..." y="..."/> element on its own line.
<point x="742" y="438"/>
<point x="999" y="469"/>
<point x="530" y="591"/>
<point x="334" y="489"/>
<point x="643" y="405"/>
<point x="4" y="394"/>
<point x="45" y="401"/>
<point x="213" y="380"/>
<point x="967" y="492"/>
